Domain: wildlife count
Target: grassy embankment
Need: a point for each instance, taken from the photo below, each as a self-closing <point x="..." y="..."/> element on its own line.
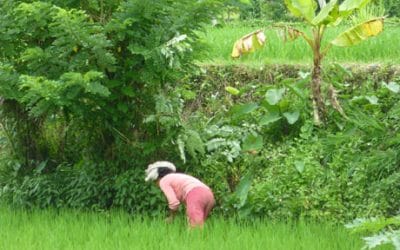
<point x="385" y="48"/>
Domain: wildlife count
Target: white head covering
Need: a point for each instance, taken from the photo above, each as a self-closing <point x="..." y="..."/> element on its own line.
<point x="152" y="169"/>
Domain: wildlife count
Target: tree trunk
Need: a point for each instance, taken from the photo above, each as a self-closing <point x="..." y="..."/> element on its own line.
<point x="318" y="102"/>
<point x="317" y="99"/>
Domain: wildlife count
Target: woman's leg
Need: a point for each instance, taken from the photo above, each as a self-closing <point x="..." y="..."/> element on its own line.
<point x="199" y="203"/>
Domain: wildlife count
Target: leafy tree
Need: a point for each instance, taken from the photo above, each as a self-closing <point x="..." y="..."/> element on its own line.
<point x="89" y="72"/>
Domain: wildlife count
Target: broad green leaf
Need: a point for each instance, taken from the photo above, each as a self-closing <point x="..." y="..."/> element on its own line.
<point x="273" y="96"/>
<point x="372" y="99"/>
<point x="328" y="14"/>
<point x="271" y="117"/>
<point x="302" y="8"/>
<point x="292" y="9"/>
<point x="392" y="86"/>
<point x="361" y="32"/>
<point x="248" y="43"/>
<point x="292" y="117"/>
<point x="243" y="188"/>
<point x="241" y="109"/>
<point x="252" y="142"/>
<point x="350" y="5"/>
<point x="232" y="90"/>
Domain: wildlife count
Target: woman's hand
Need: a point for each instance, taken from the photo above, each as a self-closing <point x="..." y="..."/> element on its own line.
<point x="170" y="217"/>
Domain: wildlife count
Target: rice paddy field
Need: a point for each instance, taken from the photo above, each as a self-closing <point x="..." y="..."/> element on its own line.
<point x="384" y="48"/>
<point x="70" y="229"/>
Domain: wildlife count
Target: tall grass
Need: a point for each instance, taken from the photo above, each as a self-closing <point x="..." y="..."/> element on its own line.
<point x="385" y="48"/>
<point x="46" y="229"/>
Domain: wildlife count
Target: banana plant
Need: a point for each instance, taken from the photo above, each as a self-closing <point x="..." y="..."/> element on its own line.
<point x="328" y="15"/>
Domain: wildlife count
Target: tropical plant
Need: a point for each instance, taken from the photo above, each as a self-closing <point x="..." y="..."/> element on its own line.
<point x="283" y="103"/>
<point x="366" y="24"/>
<point x="384" y="231"/>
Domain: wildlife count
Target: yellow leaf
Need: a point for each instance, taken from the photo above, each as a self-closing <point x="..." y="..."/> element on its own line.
<point x="361" y="32"/>
<point x="119" y="49"/>
<point x="237" y="48"/>
<point x="373" y="28"/>
<point x="75" y="49"/>
<point x="248" y="43"/>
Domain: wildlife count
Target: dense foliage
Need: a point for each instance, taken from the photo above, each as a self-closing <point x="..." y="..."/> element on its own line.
<point x="349" y="169"/>
<point x="90" y="94"/>
<point x="78" y="80"/>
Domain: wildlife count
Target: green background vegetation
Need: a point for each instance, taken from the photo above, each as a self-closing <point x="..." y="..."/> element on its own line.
<point x="93" y="91"/>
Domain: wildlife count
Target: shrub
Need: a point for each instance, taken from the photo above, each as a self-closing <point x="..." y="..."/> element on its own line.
<point x="78" y="81"/>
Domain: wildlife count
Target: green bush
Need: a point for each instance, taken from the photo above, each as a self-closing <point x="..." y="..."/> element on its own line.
<point x="346" y="170"/>
<point x="88" y="82"/>
<point x="83" y="186"/>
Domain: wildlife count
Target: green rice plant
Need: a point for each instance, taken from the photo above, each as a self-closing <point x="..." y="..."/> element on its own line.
<point x="71" y="229"/>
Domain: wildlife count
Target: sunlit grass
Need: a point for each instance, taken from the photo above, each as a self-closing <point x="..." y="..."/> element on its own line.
<point x="385" y="48"/>
<point x="47" y="229"/>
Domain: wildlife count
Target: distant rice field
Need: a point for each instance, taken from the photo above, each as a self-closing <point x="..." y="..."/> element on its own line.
<point x="384" y="48"/>
<point x="48" y="229"/>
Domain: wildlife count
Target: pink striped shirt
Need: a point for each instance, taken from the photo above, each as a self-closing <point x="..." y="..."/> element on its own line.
<point x="176" y="186"/>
